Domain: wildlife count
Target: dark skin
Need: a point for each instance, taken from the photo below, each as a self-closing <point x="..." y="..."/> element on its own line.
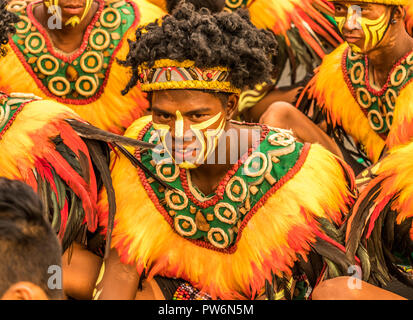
<point x="285" y="116"/>
<point x="327" y="290"/>
<point x="67" y="39"/>
<point x="395" y="44"/>
<point x="120" y="281"/>
<point x="197" y="107"/>
<point x="80" y="271"/>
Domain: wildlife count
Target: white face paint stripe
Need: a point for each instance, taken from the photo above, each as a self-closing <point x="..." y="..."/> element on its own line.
<point x="179" y="125"/>
<point x="211" y="136"/>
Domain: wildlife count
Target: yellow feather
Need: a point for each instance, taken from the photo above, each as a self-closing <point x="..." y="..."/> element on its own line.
<point x="339" y="103"/>
<point x="112" y="111"/>
<point x="319" y="187"/>
<point x="398" y="169"/>
<point x="18" y="149"/>
<point x="401" y="130"/>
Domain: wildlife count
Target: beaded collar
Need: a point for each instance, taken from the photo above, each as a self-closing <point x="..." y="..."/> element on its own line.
<point x="79" y="77"/>
<point x="217" y="222"/>
<point x="377" y="105"/>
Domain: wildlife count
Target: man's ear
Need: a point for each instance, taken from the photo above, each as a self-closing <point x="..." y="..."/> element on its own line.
<point x="399" y="13"/>
<point x="24" y="291"/>
<point x="232" y="106"/>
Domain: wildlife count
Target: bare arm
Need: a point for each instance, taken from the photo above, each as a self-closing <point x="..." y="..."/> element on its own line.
<point x="339" y="289"/>
<point x="285" y="116"/>
<point x="117" y="281"/>
<point x="80" y="271"/>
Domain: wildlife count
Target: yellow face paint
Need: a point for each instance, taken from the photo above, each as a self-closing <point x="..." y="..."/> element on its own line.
<point x="373" y="29"/>
<point x="73" y="21"/>
<point x="208" y="139"/>
<point x="212" y="136"/>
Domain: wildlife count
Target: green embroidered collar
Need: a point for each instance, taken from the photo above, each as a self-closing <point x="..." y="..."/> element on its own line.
<point x="80" y="77"/>
<point x="377" y="105"/>
<point x="216" y="222"/>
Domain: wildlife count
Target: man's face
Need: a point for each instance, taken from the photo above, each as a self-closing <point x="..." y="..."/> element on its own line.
<point x="72" y="12"/>
<point x="363" y="25"/>
<point x="189" y="123"/>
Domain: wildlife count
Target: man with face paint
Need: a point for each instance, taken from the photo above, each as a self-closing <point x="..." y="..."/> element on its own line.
<point x="41" y="149"/>
<point x="363" y="90"/>
<point x="371" y="102"/>
<point x="240" y="203"/>
<point x="67" y="51"/>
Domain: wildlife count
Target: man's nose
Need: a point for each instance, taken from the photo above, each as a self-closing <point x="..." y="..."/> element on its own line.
<point x="182" y="130"/>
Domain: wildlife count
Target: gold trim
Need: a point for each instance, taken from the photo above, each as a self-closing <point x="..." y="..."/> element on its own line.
<point x="214" y="242"/>
<point x="44" y="71"/>
<point x="172" y="205"/>
<point x="54" y="91"/>
<point x="360" y="79"/>
<point x="183" y="232"/>
<point x="160" y="174"/>
<point x="360" y="101"/>
<point x="394" y="82"/>
<point x="274" y="139"/>
<point x="388" y="115"/>
<point x="409" y="59"/>
<point x="27" y="41"/>
<point x="190" y="84"/>
<point x="83" y="92"/>
<point x="87" y="69"/>
<point x="260" y="155"/>
<point x="110" y="25"/>
<point x="228" y="189"/>
<point x="28" y="26"/>
<point x="226" y="205"/>
<point x="379" y="116"/>
<point x="95" y="45"/>
<point x="388" y="98"/>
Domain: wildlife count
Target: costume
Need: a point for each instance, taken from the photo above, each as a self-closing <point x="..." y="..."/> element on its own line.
<point x="305" y="32"/>
<point x="373" y="119"/>
<point x="90" y="80"/>
<point x="273" y="218"/>
<point x="382" y="220"/>
<point x="40" y="148"/>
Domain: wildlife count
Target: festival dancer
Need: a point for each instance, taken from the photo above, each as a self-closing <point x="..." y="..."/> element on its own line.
<point x="40" y="148"/>
<point x="305" y="33"/>
<point x="265" y="103"/>
<point x="363" y="90"/>
<point x="244" y="225"/>
<point x="67" y="51"/>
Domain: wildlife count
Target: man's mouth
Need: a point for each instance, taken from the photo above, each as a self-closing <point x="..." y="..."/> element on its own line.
<point x="351" y="39"/>
<point x="74" y="10"/>
<point x="181" y="154"/>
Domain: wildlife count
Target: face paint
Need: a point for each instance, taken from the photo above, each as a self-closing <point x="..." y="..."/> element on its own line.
<point x="212" y="136"/>
<point x="373" y="29"/>
<point x="208" y="139"/>
<point x="53" y="6"/>
<point x="73" y="21"/>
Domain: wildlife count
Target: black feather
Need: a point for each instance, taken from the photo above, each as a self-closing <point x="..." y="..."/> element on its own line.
<point x="90" y="132"/>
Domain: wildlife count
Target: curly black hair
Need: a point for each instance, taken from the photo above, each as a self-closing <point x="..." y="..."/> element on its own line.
<point x="210" y="40"/>
<point x="212" y="5"/>
<point x="7" y="21"/>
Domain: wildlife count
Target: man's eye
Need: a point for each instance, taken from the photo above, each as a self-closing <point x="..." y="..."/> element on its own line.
<point x="339" y="9"/>
<point x="198" y="116"/>
<point x="163" y="116"/>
